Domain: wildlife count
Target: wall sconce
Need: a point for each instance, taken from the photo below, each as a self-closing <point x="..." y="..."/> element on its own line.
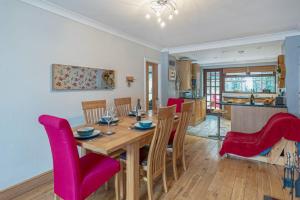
<point x="130" y="79"/>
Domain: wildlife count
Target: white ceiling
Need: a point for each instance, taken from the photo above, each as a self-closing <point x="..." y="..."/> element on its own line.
<point x="246" y="54"/>
<point x="199" y="21"/>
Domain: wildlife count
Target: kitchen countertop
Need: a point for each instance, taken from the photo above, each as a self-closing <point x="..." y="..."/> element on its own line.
<point x="244" y="97"/>
<point x="193" y="97"/>
<point x="255" y="104"/>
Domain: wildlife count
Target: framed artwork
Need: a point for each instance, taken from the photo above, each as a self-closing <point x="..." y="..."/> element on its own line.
<point x="68" y="77"/>
<point x="172" y="73"/>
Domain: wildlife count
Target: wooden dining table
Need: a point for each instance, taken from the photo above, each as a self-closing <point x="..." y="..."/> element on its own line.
<point x="127" y="138"/>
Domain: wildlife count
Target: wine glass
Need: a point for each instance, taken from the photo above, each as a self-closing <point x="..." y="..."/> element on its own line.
<point x="108" y="118"/>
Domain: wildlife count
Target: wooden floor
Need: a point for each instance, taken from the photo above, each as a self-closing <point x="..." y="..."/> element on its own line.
<point x="207" y="177"/>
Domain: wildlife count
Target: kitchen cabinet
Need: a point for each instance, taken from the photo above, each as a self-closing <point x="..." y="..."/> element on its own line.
<point x="281" y="76"/>
<point x="199" y="113"/>
<point x="184" y="74"/>
<point x="240" y="100"/>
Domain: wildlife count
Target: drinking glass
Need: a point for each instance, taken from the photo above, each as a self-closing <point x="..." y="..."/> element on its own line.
<point x="108" y="118"/>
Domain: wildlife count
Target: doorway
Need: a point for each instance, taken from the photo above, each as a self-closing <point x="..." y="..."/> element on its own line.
<point x="151" y="86"/>
<point x="213" y="89"/>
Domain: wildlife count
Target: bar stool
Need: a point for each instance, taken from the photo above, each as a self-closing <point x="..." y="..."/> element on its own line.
<point x="218" y="114"/>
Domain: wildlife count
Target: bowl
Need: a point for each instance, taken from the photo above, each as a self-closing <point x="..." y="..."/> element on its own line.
<point x="145" y="123"/>
<point x="86" y="131"/>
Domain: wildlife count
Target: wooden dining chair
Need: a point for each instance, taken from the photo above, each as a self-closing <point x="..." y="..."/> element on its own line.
<point x="156" y="161"/>
<point x="177" y="146"/>
<point x="93" y="110"/>
<point x="123" y="106"/>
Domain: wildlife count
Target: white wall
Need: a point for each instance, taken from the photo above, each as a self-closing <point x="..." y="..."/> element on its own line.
<point x="31" y="40"/>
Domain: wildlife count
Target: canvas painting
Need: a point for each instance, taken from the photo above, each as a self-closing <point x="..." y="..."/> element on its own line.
<point x="68" y="77"/>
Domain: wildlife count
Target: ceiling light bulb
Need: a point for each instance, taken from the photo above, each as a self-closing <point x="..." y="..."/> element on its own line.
<point x="159" y="20"/>
<point x="148" y="16"/>
<point x="162" y="24"/>
<point x="158" y="14"/>
<point x="176" y="12"/>
<point x="170" y="17"/>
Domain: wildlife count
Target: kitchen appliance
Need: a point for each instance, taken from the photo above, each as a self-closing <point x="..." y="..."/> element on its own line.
<point x="280" y="100"/>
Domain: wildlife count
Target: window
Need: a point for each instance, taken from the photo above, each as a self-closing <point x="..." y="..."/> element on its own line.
<point x="262" y="82"/>
<point x="212" y="88"/>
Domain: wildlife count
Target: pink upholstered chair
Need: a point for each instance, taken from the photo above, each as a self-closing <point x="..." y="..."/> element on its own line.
<point x="75" y="178"/>
<point x="178" y="102"/>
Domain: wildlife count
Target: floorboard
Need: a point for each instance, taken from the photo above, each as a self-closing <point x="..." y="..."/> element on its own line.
<point x="208" y="177"/>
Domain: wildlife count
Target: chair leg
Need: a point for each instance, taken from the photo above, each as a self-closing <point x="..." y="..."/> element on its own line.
<point x="175" y="168"/>
<point x="117" y="186"/>
<point x="150" y="188"/>
<point x="183" y="161"/>
<point x="165" y="181"/>
<point x="56" y="197"/>
<point x="122" y="182"/>
<point x="165" y="175"/>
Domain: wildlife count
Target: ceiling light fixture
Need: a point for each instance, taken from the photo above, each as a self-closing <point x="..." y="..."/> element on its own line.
<point x="163" y="9"/>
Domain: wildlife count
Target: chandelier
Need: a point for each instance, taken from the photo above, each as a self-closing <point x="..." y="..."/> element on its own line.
<point x="163" y="9"/>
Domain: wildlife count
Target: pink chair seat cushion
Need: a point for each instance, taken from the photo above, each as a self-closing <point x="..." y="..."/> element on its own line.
<point x="96" y="170"/>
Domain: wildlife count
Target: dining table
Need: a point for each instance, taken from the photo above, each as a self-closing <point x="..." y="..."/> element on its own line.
<point x="126" y="138"/>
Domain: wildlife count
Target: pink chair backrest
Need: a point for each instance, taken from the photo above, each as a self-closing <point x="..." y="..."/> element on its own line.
<point x="65" y="156"/>
<point x="176" y="101"/>
<point x="273" y="118"/>
<point x="276" y="127"/>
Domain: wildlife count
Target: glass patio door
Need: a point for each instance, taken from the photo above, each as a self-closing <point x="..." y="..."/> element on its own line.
<point x="213" y="89"/>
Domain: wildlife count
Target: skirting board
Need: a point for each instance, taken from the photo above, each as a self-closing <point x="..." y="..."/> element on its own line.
<point x="26" y="186"/>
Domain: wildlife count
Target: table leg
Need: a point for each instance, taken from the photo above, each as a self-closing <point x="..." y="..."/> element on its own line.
<point x="132" y="171"/>
<point x="219" y="127"/>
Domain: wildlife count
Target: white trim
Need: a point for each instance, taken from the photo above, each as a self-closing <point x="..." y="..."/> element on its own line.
<point x="233" y="42"/>
<point x="241" y="62"/>
<point x="53" y="8"/>
<point x="147" y="59"/>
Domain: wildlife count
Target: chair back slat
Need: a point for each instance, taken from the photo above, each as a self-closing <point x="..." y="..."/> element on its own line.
<point x="178" y="142"/>
<point x="93" y="110"/>
<point x="157" y="152"/>
<point x="123" y="106"/>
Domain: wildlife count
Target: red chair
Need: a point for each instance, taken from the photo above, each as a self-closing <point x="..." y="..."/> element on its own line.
<point x="75" y="178"/>
<point x="178" y="102"/>
<point x="279" y="125"/>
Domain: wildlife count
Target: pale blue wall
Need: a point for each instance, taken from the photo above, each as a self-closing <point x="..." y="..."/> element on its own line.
<point x="164" y="60"/>
<point x="167" y="87"/>
<point x="291" y="50"/>
<point x="31" y="39"/>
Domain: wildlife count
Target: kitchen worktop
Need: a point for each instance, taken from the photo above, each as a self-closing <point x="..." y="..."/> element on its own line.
<point x="244" y="97"/>
<point x="199" y="97"/>
<point x="254" y="105"/>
